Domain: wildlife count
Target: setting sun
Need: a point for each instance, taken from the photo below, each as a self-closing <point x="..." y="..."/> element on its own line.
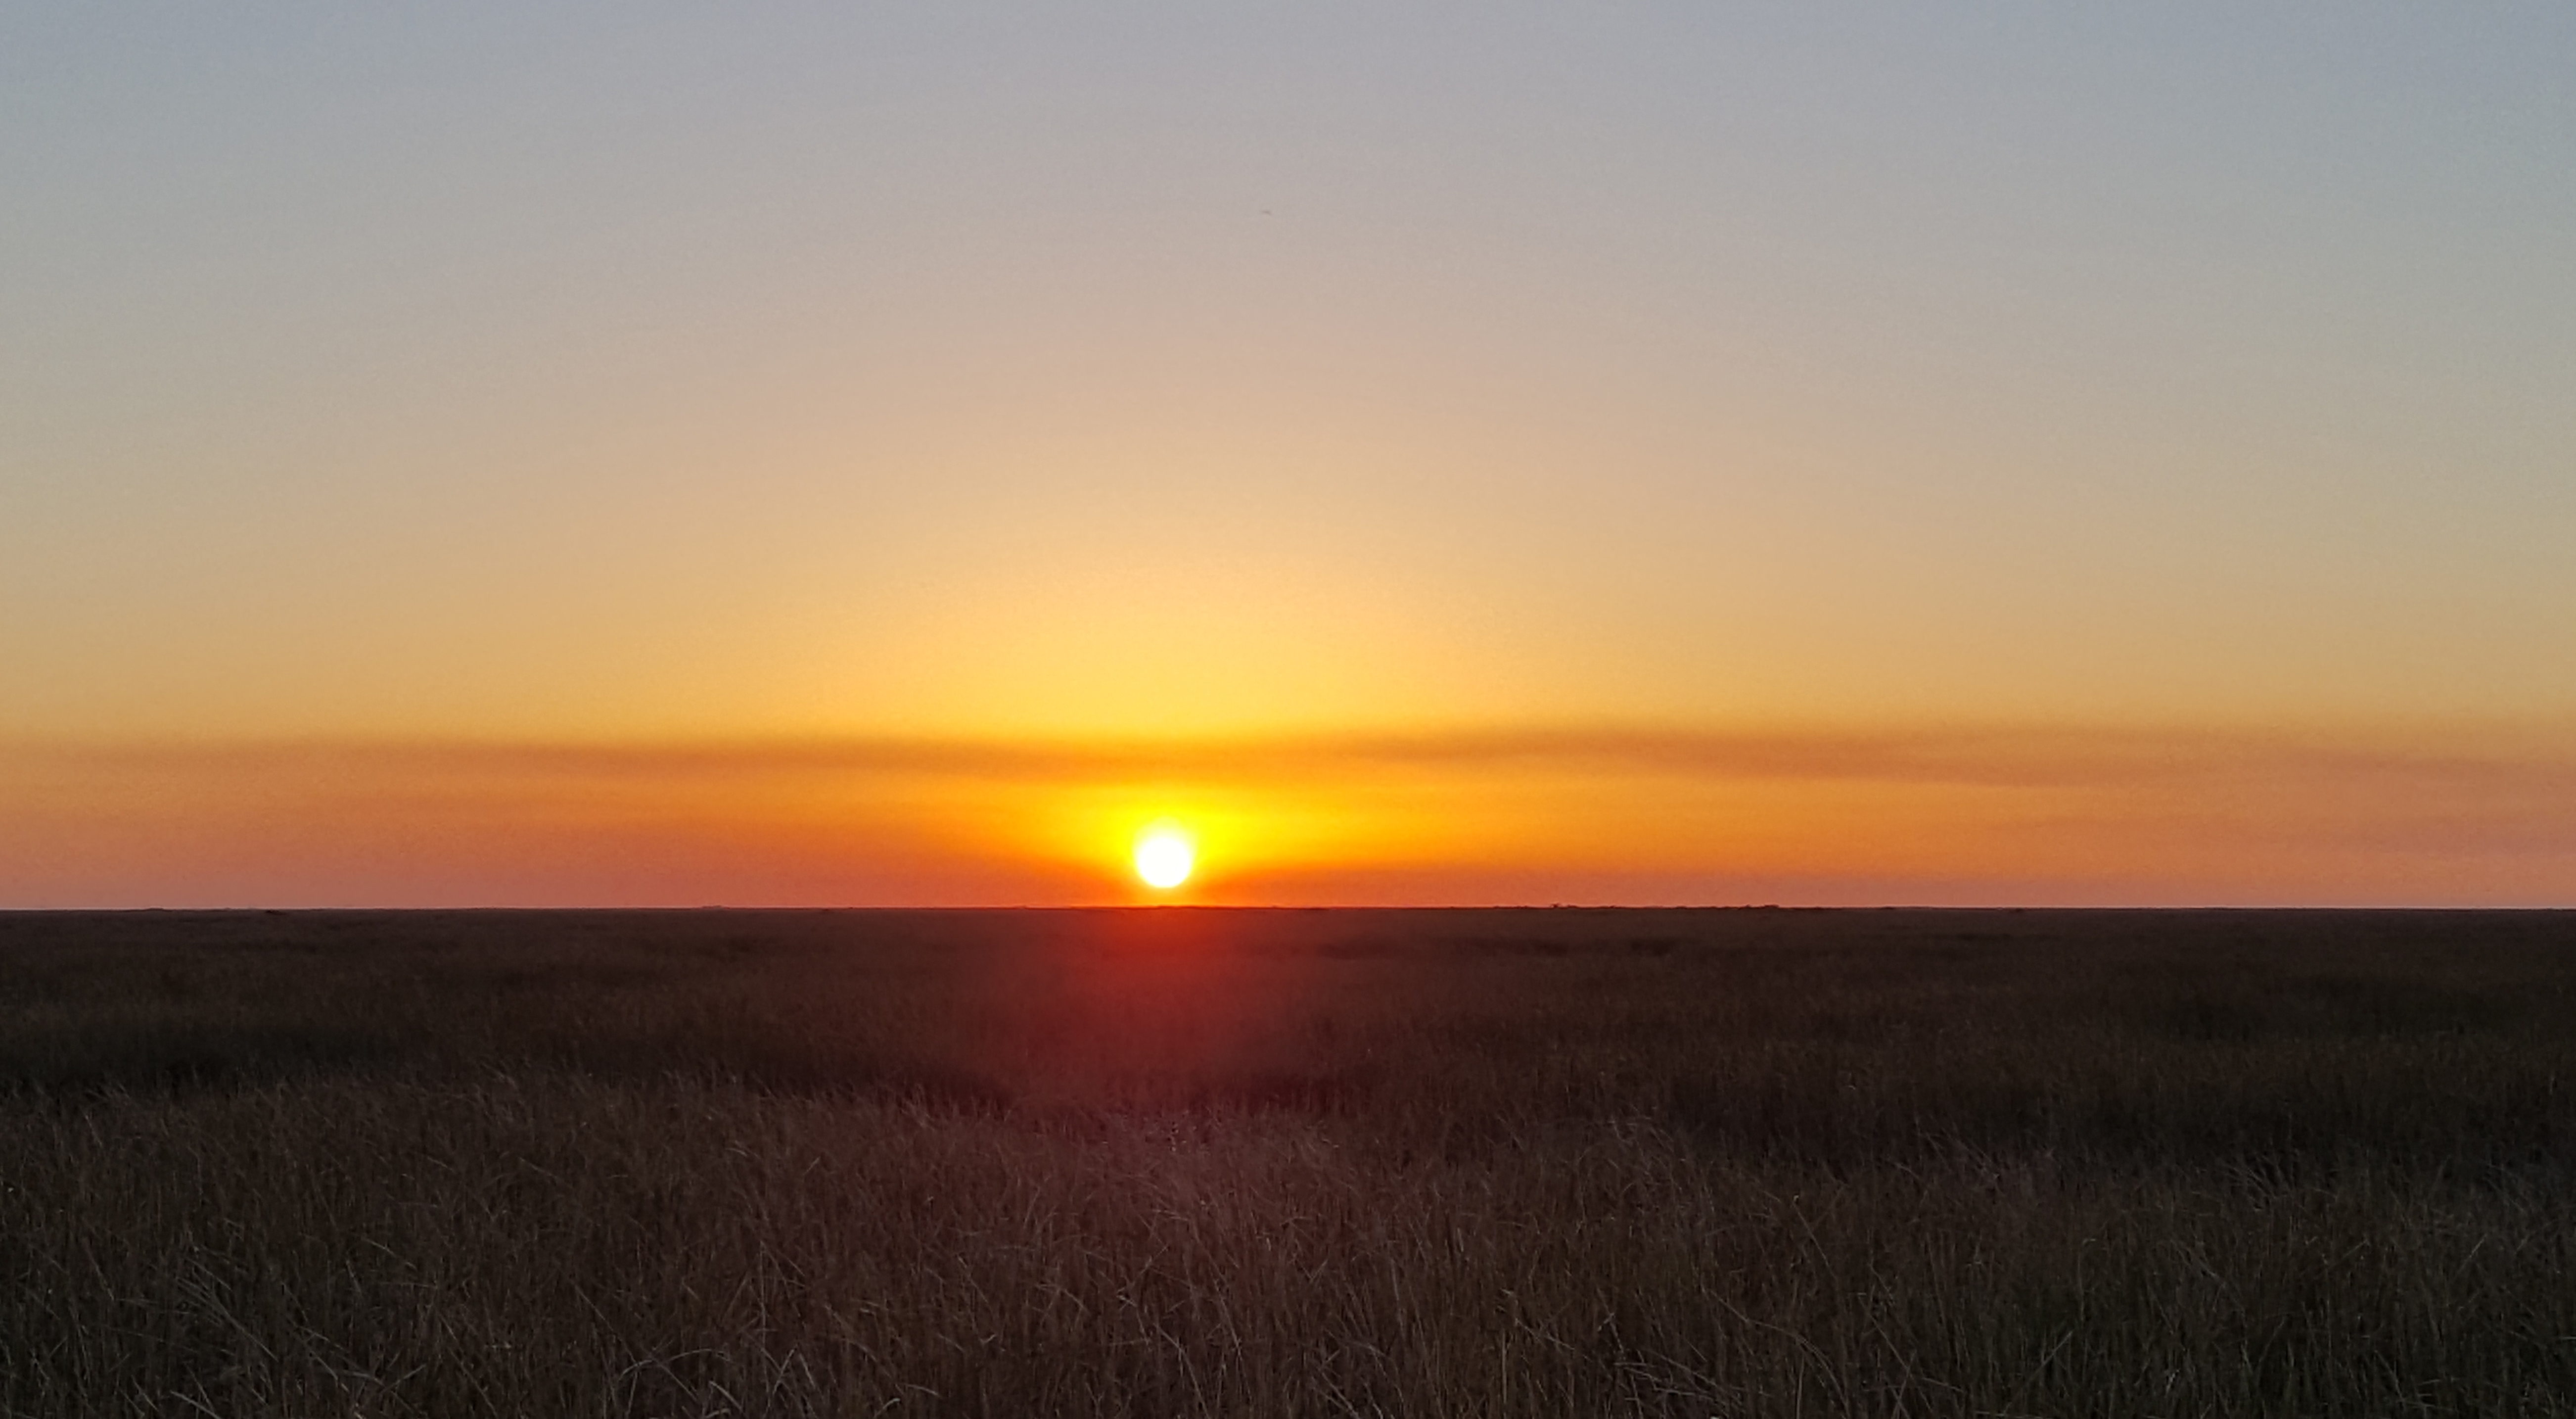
<point x="1163" y="857"/>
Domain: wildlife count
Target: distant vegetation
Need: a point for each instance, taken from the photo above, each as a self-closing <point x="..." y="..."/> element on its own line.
<point x="1528" y="1163"/>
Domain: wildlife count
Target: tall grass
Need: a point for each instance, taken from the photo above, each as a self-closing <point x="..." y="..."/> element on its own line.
<point x="1508" y="1163"/>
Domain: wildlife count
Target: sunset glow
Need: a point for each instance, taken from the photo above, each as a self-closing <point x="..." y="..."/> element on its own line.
<point x="851" y="455"/>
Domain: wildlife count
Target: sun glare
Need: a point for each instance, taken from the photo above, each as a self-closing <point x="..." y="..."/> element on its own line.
<point x="1164" y="857"/>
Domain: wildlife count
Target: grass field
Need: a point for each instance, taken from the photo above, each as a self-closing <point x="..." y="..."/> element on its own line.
<point x="1543" y="1163"/>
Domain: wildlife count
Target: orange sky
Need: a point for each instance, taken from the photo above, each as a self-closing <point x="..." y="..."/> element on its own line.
<point x="652" y="454"/>
<point x="1957" y="817"/>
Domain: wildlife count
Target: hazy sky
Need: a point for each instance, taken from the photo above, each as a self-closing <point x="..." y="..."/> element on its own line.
<point x="586" y="374"/>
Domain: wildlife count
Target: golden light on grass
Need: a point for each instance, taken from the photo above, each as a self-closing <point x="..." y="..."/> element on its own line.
<point x="1164" y="856"/>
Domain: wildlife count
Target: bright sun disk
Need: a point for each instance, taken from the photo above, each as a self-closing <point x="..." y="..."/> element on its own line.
<point x="1163" y="857"/>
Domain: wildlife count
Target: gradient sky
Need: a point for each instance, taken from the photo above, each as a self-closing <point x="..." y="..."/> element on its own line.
<point x="664" y="453"/>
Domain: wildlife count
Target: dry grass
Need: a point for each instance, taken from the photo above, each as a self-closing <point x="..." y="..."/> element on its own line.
<point x="1507" y="1163"/>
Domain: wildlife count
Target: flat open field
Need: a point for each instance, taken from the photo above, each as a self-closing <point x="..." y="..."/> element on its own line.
<point x="1543" y="1163"/>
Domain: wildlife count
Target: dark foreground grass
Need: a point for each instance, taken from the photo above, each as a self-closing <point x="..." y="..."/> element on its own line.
<point x="1502" y="1163"/>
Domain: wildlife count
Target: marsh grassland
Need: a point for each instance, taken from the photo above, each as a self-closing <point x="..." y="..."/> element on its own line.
<point x="1540" y="1163"/>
